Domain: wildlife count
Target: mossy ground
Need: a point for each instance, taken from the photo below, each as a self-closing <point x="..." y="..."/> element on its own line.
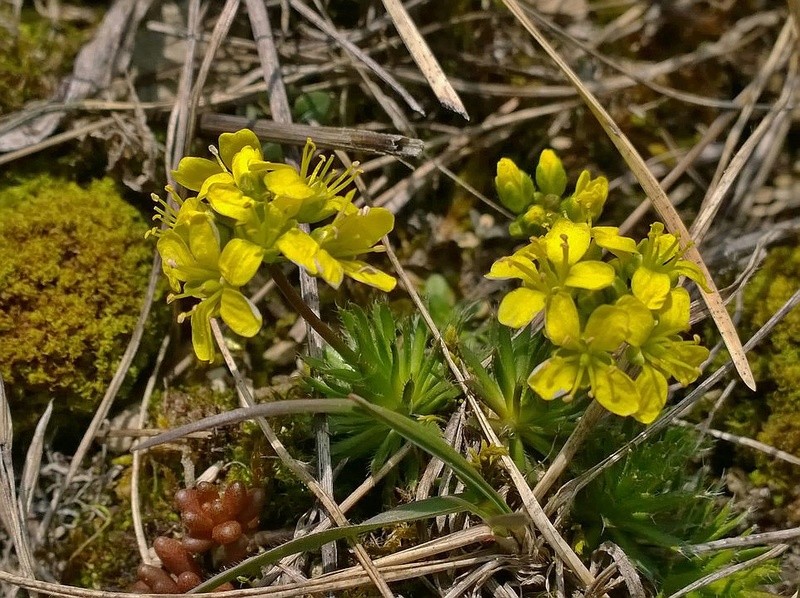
<point x="35" y="56"/>
<point x="74" y="266"/>
<point x="777" y="364"/>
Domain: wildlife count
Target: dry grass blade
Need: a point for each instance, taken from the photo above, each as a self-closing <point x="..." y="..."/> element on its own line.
<point x="589" y="420"/>
<point x="424" y="58"/>
<point x="713" y="202"/>
<point x="33" y="461"/>
<point x="136" y="509"/>
<point x="357" y="140"/>
<point x="656" y="194"/>
<point x="339" y="581"/>
<point x="794" y="9"/>
<point x="761" y="539"/>
<point x="358" y="53"/>
<point x="56" y="140"/>
<point x="743" y="441"/>
<point x="281" y="111"/>
<point x="10" y="509"/>
<point x="221" y="28"/>
<point x="178" y="124"/>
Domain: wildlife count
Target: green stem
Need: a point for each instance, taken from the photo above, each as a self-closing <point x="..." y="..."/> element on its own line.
<point x="302" y="308"/>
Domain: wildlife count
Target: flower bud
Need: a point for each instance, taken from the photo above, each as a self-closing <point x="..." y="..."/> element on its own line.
<point x="514" y="187"/>
<point x="551" y="177"/>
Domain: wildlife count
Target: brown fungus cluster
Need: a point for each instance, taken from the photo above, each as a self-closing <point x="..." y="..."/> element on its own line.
<point x="217" y="523"/>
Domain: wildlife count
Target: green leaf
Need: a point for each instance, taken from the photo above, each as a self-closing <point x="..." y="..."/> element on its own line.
<point x="313" y="106"/>
<point x="488" y="389"/>
<point x="414" y="511"/>
<point x="433" y="443"/>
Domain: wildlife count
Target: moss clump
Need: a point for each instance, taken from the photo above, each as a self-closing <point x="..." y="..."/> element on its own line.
<point x="777" y="362"/>
<point x="33" y="58"/>
<point x="74" y="266"/>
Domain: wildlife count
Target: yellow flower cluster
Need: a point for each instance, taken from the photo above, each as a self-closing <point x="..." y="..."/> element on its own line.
<point x="614" y="325"/>
<point x="248" y="211"/>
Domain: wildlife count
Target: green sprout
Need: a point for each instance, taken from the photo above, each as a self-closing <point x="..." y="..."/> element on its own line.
<point x="393" y="366"/>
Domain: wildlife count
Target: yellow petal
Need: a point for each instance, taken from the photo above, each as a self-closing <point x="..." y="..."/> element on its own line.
<point x="356" y="233"/>
<point x="614" y="390"/>
<point x="555" y="377"/>
<point x="239" y="261"/>
<point x="368" y="275"/>
<point x="606" y="328"/>
<point x="674" y="315"/>
<point x="591" y="275"/>
<point x="652" y="387"/>
<point x="300" y="248"/>
<point x="650" y="287"/>
<point x="561" y="321"/>
<point x="519" y="307"/>
<point x="288" y="183"/>
<point x="513" y="266"/>
<point x="229" y="201"/>
<point x="640" y="320"/>
<point x="577" y="237"/>
<point x="223" y="178"/>
<point x="329" y="268"/>
<point x="193" y="172"/>
<point x="202" y="340"/>
<point x="231" y="143"/>
<point x="608" y="237"/>
<point x="239" y="313"/>
<point x="204" y="241"/>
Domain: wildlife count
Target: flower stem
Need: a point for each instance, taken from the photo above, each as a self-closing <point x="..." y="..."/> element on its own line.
<point x="326" y="332"/>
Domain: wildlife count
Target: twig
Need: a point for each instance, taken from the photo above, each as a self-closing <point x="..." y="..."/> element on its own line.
<point x="358" y="53"/>
<point x="357" y="140"/>
<point x="743" y="441"/>
<point x="424" y="58"/>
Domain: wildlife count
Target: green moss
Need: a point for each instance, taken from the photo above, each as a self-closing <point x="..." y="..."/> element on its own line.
<point x="777" y="362"/>
<point x="104" y="553"/>
<point x="33" y="60"/>
<point x="74" y="266"/>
